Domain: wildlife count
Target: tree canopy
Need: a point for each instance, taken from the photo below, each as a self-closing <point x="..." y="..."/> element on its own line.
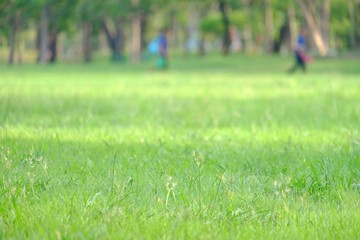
<point x="124" y="27"/>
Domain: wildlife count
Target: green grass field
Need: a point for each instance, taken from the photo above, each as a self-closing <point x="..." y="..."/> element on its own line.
<point x="214" y="148"/>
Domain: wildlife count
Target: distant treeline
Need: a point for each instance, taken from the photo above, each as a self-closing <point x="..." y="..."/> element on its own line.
<point x="47" y="30"/>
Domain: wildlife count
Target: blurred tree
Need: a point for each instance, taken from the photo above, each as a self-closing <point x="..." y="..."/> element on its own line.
<point x="118" y="14"/>
<point x="286" y="25"/>
<point x="226" y="27"/>
<point x="14" y="20"/>
<point x="292" y="25"/>
<point x="115" y="36"/>
<point x="90" y="13"/>
<point x="325" y="23"/>
<point x="55" y="16"/>
<point x="139" y="11"/>
<point x="268" y="38"/>
<point x="42" y="36"/>
<point x="356" y="22"/>
<point x="352" y="13"/>
<point x="342" y="24"/>
<point x="247" y="32"/>
<point x="258" y="25"/>
<point x="12" y="15"/>
<point x="113" y="20"/>
<point x="310" y="12"/>
<point x="212" y="24"/>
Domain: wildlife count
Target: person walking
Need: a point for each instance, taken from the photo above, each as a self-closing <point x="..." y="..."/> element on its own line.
<point x="163" y="60"/>
<point x="301" y="58"/>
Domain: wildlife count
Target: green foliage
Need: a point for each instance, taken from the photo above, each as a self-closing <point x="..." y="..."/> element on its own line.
<point x="212" y="24"/>
<point x="256" y="20"/>
<point x="9" y="8"/>
<point x="238" y="18"/>
<point x="340" y="23"/>
<point x="62" y="14"/>
<point x="68" y="15"/>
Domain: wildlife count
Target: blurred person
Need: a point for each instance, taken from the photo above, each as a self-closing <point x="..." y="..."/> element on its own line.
<point x="301" y="58"/>
<point x="163" y="60"/>
<point x="159" y="47"/>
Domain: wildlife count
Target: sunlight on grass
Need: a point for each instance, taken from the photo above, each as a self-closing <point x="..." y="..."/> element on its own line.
<point x="202" y="151"/>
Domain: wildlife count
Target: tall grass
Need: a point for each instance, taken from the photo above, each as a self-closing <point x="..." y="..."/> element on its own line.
<point x="212" y="148"/>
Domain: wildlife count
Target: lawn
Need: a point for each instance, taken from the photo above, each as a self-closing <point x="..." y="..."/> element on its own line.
<point x="213" y="148"/>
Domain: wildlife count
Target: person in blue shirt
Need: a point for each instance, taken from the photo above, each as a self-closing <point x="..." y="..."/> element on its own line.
<point x="163" y="60"/>
<point x="299" y="52"/>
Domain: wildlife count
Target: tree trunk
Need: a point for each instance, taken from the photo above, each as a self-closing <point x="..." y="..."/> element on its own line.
<point x="136" y="32"/>
<point x="268" y="39"/>
<point x="201" y="46"/>
<point x="226" y="23"/>
<point x="136" y="38"/>
<point x="192" y="29"/>
<point x="325" y="22"/>
<point x="143" y="31"/>
<point x="119" y="40"/>
<point x="109" y="35"/>
<point x="53" y="39"/>
<point x="12" y="38"/>
<point x="357" y="23"/>
<point x="87" y="41"/>
<point x="115" y="40"/>
<point x="201" y="49"/>
<point x="353" y="24"/>
<point x="292" y="27"/>
<point x="43" y="35"/>
<point x="247" y="36"/>
<point x="186" y="49"/>
<point x="20" y="43"/>
<point x="314" y="29"/>
<point x="174" y="33"/>
<point x="283" y="37"/>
